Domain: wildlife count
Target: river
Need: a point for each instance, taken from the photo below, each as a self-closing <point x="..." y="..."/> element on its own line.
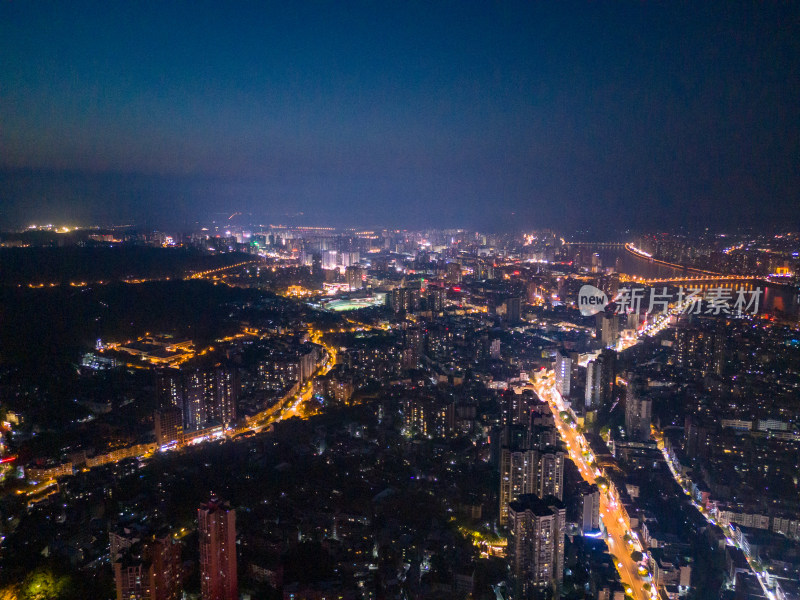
<point x="776" y="298"/>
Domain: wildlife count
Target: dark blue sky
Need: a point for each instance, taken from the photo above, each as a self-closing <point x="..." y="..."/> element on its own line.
<point x="494" y="114"/>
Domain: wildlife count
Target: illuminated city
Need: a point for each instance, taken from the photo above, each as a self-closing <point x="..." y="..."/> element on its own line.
<point x="399" y="302"/>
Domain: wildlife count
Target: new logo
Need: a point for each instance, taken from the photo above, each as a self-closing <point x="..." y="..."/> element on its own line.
<point x="591" y="300"/>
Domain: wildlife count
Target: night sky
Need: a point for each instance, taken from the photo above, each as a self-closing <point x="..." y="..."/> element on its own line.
<point x="609" y="115"/>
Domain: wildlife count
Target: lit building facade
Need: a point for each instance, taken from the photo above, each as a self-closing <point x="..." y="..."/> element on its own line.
<point x="535" y="550"/>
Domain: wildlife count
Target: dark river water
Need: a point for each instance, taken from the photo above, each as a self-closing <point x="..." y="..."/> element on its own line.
<point x="774" y="299"/>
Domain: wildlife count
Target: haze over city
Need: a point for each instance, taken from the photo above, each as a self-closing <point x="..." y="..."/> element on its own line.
<point x="572" y="115"/>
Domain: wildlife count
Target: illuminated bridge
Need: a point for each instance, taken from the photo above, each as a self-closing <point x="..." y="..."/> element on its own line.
<point x="697" y="279"/>
<point x="647" y="256"/>
<point x="600" y="244"/>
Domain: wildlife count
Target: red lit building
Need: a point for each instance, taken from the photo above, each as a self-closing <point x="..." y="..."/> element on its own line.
<point x="217" y="528"/>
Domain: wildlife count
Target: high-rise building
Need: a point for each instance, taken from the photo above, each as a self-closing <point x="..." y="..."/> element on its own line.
<point x="607" y="328"/>
<point x="513" y="310"/>
<point x="132" y="578"/>
<point x="534" y="292"/>
<point x="195" y="413"/>
<point x="169" y="388"/>
<point x="517" y="477"/>
<point x="217" y="530"/>
<point x="701" y="347"/>
<point x="349" y="259"/>
<point x="413" y="343"/>
<point x="355" y="277"/>
<point x="461" y="417"/>
<point x="543" y="436"/>
<point x="600" y="377"/>
<point x="435" y="299"/>
<point x="168" y="425"/>
<point x="453" y="273"/>
<point x="593" y="396"/>
<point x="403" y="299"/>
<point x="526" y="469"/>
<point x="588" y="507"/>
<point x="535" y="546"/>
<point x="308" y="357"/>
<point x="149" y="569"/>
<point x="330" y="259"/>
<point x="210" y="396"/>
<point x="516" y="408"/>
<point x="165" y="557"/>
<point x="224" y="394"/>
<point x="517" y="437"/>
<point x="638" y="411"/>
<point x="425" y="415"/>
<point x="317" y="273"/>
<point x="632" y="320"/>
<point x="563" y="374"/>
<point x="550" y="473"/>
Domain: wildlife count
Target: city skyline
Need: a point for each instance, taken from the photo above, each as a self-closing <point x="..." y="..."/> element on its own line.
<point x="399" y="300"/>
<point x="305" y="412"/>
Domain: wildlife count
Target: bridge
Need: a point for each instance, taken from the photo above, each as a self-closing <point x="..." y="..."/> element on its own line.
<point x="698" y="279"/>
<point x="647" y="256"/>
<point x="600" y="244"/>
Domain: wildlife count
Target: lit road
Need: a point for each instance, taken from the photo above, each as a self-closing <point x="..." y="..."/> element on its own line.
<point x="611" y="512"/>
<point x="291" y="405"/>
<point x="657" y="324"/>
<point x="214" y="272"/>
<point x="287" y="407"/>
